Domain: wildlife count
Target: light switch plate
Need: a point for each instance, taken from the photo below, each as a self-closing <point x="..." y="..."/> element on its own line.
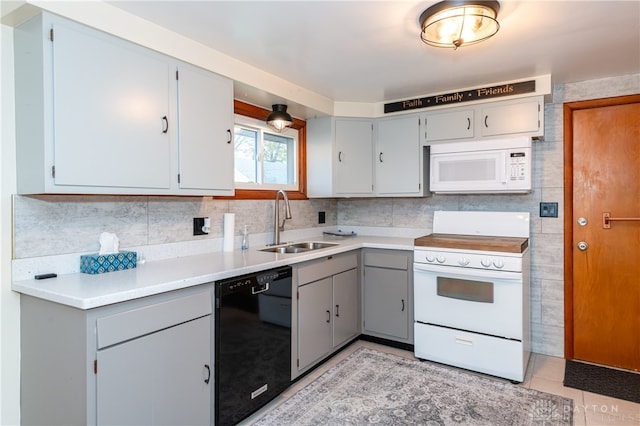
<point x="548" y="209"/>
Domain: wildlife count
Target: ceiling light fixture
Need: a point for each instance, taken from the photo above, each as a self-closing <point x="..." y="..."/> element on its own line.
<point x="279" y="119"/>
<point x="457" y="23"/>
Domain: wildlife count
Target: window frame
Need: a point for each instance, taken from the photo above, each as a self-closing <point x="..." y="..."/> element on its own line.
<point x="264" y="133"/>
<point x="258" y="113"/>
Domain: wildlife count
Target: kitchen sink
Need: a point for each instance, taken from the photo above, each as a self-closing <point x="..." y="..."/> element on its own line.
<point x="299" y="247"/>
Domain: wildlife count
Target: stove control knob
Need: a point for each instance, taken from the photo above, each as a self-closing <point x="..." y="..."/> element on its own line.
<point x="463" y="261"/>
<point x="485" y="262"/>
<point x="440" y="259"/>
<point x="430" y="258"/>
<point x="498" y="264"/>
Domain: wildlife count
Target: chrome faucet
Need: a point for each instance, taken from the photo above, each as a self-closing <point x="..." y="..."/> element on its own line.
<point x="277" y="227"/>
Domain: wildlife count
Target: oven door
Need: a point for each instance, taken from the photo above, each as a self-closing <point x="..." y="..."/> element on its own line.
<point x="482" y="301"/>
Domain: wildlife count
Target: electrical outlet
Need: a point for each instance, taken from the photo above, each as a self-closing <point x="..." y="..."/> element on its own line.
<point x="321" y="217"/>
<point x="198" y="223"/>
<point x="548" y="209"/>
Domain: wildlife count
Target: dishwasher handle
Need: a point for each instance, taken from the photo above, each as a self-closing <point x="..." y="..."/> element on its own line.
<point x="261" y="289"/>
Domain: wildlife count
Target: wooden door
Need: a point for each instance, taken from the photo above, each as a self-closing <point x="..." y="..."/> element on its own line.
<point x="602" y="261"/>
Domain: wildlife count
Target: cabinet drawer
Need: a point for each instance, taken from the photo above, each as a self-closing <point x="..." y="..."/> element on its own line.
<point x="138" y="322"/>
<point x="326" y="267"/>
<point x="476" y="352"/>
<point x="386" y="260"/>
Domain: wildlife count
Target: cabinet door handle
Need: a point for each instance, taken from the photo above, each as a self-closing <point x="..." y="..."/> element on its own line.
<point x="208" y="378"/>
<point x="337" y="310"/>
<point x="340" y="157"/>
<point x="328" y="316"/>
<point x="468" y="123"/>
<point x="166" y="124"/>
<point x="230" y="138"/>
<point x="380" y="157"/>
<point x="402" y="305"/>
<point x="485" y="121"/>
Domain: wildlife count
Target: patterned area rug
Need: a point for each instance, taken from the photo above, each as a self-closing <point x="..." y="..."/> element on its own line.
<point x="371" y="387"/>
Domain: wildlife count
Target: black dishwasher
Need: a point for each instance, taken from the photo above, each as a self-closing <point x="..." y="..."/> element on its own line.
<point x="252" y="342"/>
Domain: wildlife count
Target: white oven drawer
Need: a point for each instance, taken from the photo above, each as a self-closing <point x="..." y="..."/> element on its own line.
<point x="476" y="352"/>
<point x="469" y="300"/>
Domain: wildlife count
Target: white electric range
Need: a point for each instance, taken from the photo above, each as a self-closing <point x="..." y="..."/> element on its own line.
<point x="471" y="292"/>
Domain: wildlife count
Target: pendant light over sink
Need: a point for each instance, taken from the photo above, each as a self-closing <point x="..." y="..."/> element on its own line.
<point x="459" y="23"/>
<point x="279" y="119"/>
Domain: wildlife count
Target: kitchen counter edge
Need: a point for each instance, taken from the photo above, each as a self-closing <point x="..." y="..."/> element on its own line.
<point x="85" y="291"/>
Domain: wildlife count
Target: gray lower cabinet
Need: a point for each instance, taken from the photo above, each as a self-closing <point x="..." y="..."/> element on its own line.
<point x="142" y="362"/>
<point x="387" y="294"/>
<point x="328" y="307"/>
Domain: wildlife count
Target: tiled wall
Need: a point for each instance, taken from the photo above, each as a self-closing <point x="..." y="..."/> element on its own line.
<point x="57" y="224"/>
<point x="50" y="225"/>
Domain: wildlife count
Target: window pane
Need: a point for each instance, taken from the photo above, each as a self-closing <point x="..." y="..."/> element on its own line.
<point x="279" y="159"/>
<point x="246" y="149"/>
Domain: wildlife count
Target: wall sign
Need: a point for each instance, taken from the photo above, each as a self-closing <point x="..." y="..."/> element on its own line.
<point x="463" y="96"/>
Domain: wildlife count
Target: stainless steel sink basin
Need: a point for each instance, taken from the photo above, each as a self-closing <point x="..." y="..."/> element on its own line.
<point x="312" y="245"/>
<point x="299" y="247"/>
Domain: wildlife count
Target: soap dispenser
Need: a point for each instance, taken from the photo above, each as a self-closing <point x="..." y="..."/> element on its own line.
<point x="245" y="239"/>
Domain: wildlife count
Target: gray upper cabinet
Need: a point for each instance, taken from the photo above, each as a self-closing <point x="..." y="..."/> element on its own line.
<point x="205" y="125"/>
<point x="522" y="116"/>
<point x="515" y="117"/>
<point x="339" y="157"/>
<point x="400" y="158"/>
<point x="96" y="114"/>
<point x="110" y="107"/>
<point x="449" y="125"/>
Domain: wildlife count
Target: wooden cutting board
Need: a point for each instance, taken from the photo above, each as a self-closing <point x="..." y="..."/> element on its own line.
<point x="474" y="242"/>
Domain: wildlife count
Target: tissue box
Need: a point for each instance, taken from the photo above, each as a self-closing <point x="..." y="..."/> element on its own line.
<point x="100" y="264"/>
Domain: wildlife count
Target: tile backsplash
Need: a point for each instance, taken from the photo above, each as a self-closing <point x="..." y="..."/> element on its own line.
<point x="54" y="225"/>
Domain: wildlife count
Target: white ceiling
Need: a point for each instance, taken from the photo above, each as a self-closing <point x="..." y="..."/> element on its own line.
<point x="370" y="51"/>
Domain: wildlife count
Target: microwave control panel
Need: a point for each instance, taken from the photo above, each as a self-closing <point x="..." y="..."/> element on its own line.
<point x="518" y="166"/>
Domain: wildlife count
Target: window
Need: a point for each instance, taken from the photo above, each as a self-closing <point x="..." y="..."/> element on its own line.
<point x="264" y="159"/>
<point x="296" y="161"/>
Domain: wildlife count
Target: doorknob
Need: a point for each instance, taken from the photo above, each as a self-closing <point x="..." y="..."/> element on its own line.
<point x="582" y="221"/>
<point x="582" y="246"/>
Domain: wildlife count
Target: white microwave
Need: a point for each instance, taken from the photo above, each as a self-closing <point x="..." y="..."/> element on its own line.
<point x="481" y="166"/>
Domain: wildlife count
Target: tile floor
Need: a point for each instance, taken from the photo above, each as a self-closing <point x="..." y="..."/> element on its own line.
<point x="544" y="373"/>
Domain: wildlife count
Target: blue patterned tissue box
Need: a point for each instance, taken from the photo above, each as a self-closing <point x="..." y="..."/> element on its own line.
<point x="100" y="264"/>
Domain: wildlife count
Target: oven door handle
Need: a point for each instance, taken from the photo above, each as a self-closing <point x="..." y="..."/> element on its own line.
<point x="467" y="272"/>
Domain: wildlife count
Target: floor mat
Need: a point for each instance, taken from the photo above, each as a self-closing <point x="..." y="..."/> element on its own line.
<point x="601" y="380"/>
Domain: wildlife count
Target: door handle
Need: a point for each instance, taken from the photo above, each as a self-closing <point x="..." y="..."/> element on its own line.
<point x="402" y="305"/>
<point x="230" y="137"/>
<point x="166" y="124"/>
<point x="380" y="157"/>
<point x="328" y="316"/>
<point x="583" y="246"/>
<point x="607" y="219"/>
<point x="337" y="310"/>
<point x="208" y="378"/>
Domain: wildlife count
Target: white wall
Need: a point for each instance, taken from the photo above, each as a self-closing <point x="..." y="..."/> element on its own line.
<point x="9" y="301"/>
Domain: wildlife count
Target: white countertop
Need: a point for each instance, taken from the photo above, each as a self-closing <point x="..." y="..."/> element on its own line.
<point x="85" y="291"/>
